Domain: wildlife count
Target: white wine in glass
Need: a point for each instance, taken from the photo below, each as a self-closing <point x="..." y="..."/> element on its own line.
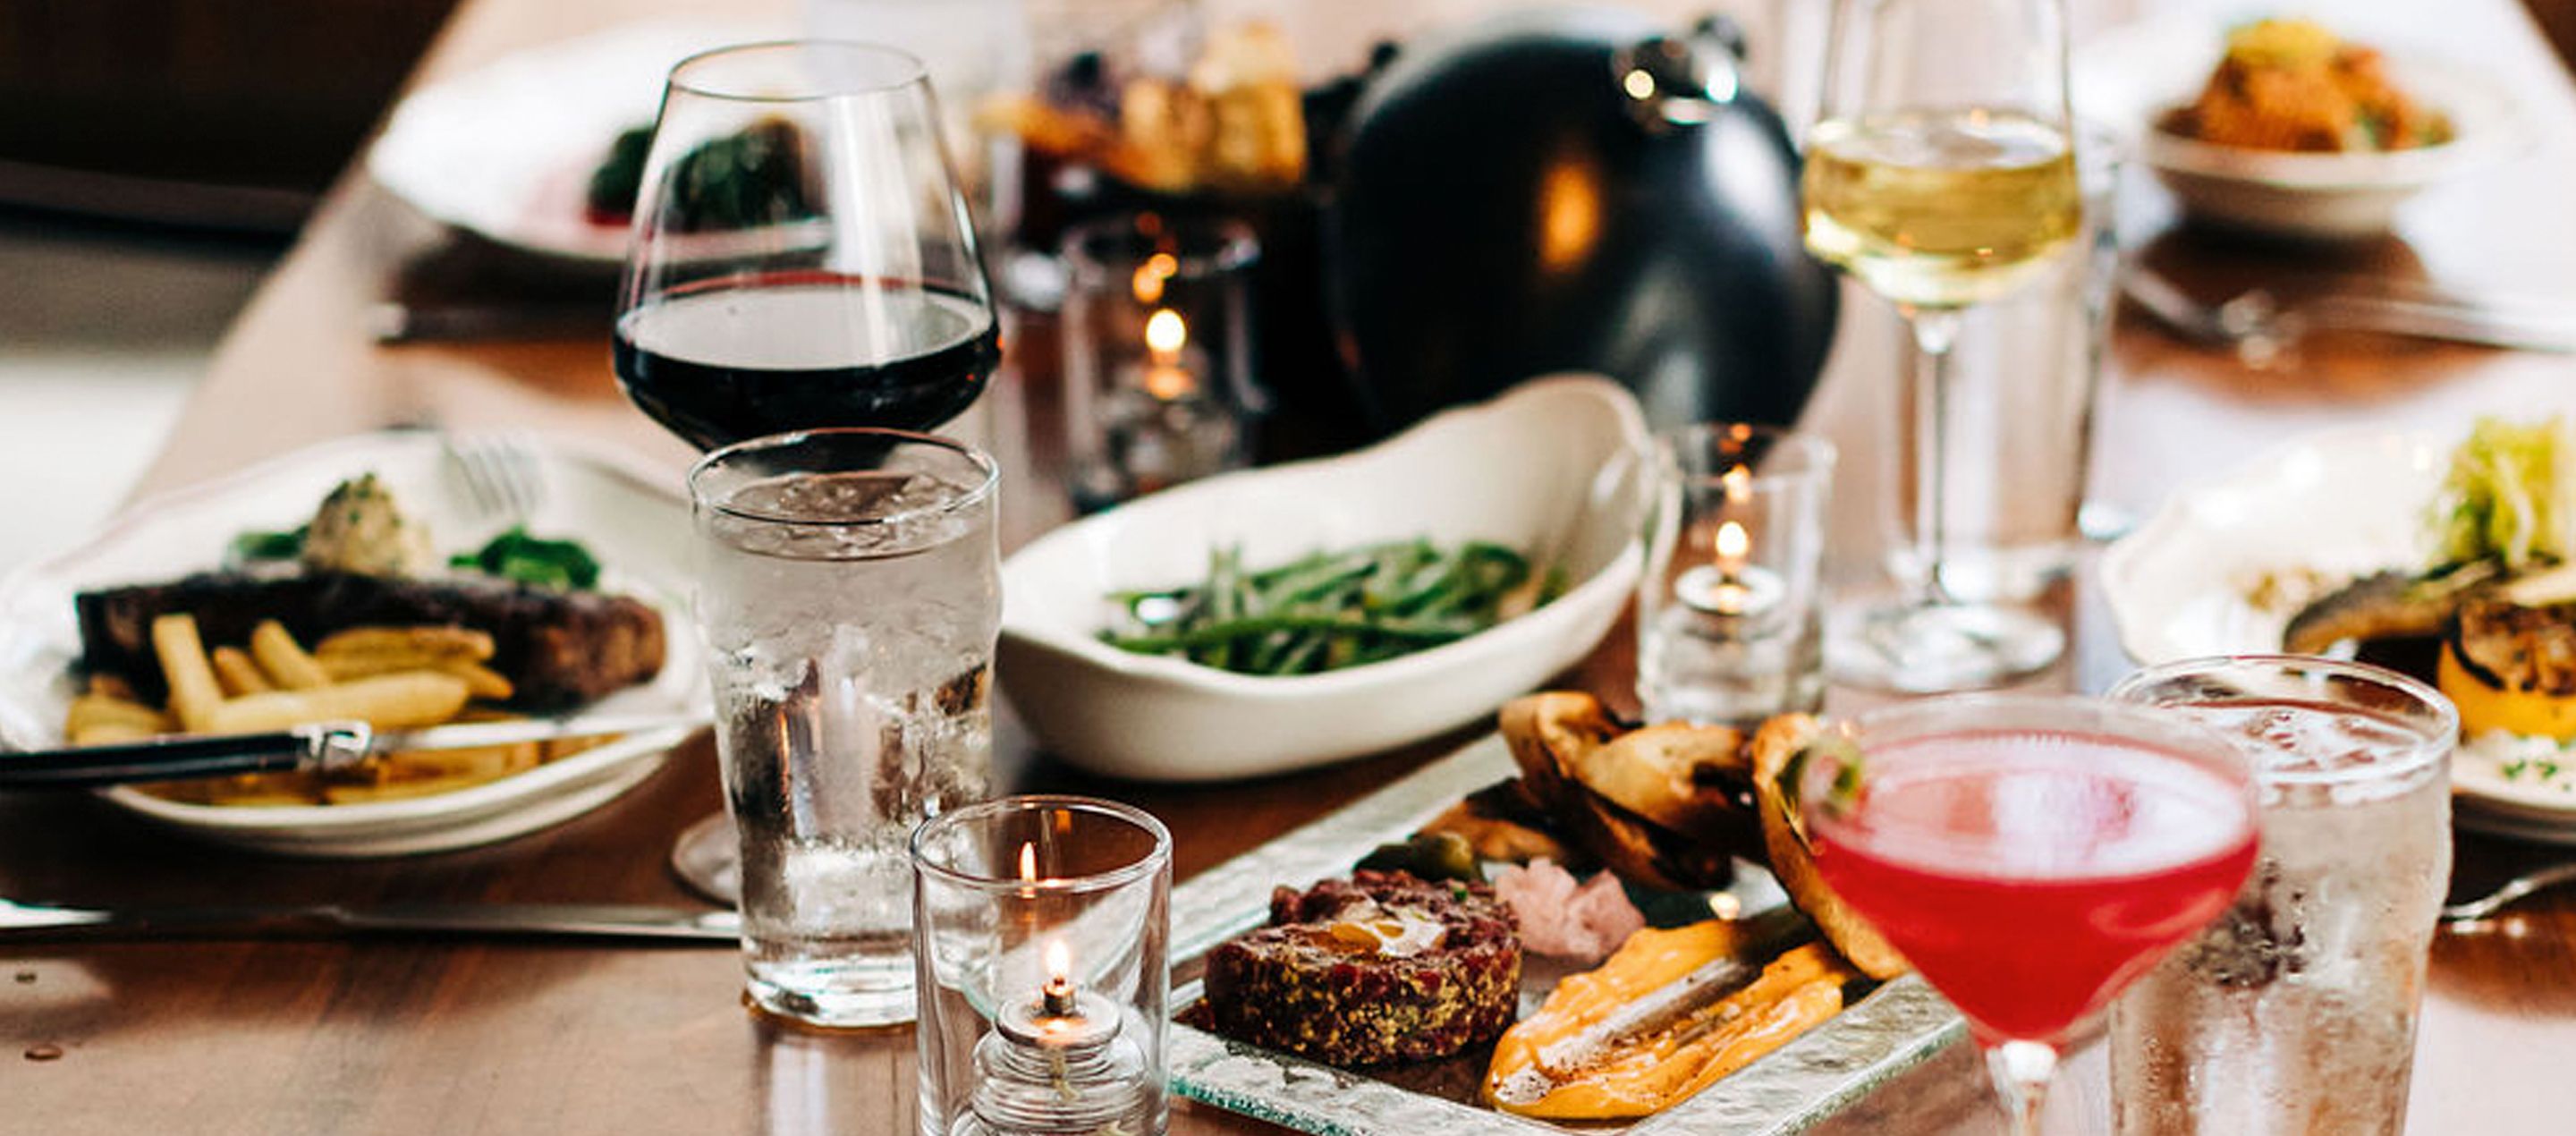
<point x="1941" y="208"/>
<point x="1942" y="176"/>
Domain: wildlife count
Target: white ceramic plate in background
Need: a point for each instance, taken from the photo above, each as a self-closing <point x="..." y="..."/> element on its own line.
<point x="627" y="514"/>
<point x="1551" y="465"/>
<point x="2341" y="504"/>
<point x="2130" y="77"/>
<point x="506" y="151"/>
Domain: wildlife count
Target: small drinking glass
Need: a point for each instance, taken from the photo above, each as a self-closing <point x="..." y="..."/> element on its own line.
<point x="1157" y="353"/>
<point x="2295" y="1012"/>
<point x="850" y="594"/>
<point x="1728" y="606"/>
<point x="1043" y="953"/>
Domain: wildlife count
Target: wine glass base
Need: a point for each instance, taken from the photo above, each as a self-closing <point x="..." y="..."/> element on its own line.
<point x="1929" y="648"/>
<point x="708" y="859"/>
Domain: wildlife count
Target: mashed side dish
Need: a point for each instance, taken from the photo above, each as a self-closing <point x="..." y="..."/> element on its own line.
<point x="2293" y="85"/>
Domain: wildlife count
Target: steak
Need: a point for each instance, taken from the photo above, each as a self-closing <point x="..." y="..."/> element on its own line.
<point x="559" y="648"/>
<point x="1377" y="968"/>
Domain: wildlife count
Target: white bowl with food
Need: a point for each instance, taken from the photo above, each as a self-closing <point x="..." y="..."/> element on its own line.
<point x="2261" y="155"/>
<point x="1554" y="469"/>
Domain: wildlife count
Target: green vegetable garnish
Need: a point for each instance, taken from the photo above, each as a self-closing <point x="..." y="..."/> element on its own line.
<point x="525" y="559"/>
<point x="1845" y="792"/>
<point x="2504" y="498"/>
<point x="1331" y="609"/>
<point x="256" y="544"/>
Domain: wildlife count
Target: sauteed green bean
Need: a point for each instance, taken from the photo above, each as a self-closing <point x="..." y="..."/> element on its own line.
<point x="1331" y="610"/>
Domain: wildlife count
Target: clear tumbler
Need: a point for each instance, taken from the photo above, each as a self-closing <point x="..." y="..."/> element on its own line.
<point x="1044" y="964"/>
<point x="850" y="594"/>
<point x="2295" y="1012"/>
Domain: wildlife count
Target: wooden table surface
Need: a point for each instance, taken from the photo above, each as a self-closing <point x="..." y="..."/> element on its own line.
<point x="404" y="1037"/>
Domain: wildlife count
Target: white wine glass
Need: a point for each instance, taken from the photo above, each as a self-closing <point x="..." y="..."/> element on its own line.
<point x="1941" y="175"/>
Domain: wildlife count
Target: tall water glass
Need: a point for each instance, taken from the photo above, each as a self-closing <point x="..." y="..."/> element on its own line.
<point x="2295" y="1012"/>
<point x="849" y="593"/>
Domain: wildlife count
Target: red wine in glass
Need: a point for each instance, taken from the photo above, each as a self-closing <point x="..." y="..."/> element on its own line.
<point x="803" y="350"/>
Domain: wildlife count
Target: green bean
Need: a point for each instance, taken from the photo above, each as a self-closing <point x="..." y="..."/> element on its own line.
<point x="1326" y="609"/>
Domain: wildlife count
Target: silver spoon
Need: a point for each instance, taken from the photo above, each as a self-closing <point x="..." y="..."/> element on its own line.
<point x="2513" y="889"/>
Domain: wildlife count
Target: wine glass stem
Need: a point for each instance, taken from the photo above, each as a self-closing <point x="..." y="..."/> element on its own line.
<point x="2021" y="1071"/>
<point x="1935" y="331"/>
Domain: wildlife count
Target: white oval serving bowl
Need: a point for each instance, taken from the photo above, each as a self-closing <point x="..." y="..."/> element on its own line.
<point x="2130" y="78"/>
<point x="1554" y="467"/>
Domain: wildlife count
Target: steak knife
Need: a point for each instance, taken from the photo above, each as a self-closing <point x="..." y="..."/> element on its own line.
<point x="504" y="920"/>
<point x="327" y="748"/>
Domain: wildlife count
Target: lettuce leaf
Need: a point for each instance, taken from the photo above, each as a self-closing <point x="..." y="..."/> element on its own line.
<point x="2505" y="497"/>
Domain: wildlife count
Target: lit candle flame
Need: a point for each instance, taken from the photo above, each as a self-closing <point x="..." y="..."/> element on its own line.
<point x="1166" y="334"/>
<point x="1056" y="996"/>
<point x="1149" y="277"/>
<point x="1737" y="481"/>
<point x="1028" y="862"/>
<point x="1732" y="544"/>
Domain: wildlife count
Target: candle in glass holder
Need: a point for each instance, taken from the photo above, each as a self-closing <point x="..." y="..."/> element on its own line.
<point x="1730" y="585"/>
<point x="1054" y="1064"/>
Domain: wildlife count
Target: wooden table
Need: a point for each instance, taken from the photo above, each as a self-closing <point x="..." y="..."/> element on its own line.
<point x="402" y="1037"/>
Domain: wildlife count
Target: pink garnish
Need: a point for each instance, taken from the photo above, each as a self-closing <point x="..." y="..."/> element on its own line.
<point x="1561" y="918"/>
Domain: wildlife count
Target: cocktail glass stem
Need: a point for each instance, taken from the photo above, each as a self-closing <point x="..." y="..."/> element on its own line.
<point x="1935" y="331"/>
<point x="2022" y="1070"/>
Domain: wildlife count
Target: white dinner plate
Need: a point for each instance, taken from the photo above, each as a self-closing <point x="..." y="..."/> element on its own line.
<point x="506" y="151"/>
<point x="625" y="512"/>
<point x="2338" y="505"/>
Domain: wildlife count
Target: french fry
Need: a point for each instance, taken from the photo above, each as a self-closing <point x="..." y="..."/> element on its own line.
<point x="403" y="700"/>
<point x="91" y="710"/>
<point x="237" y="674"/>
<point x="285" y="661"/>
<point x="109" y="733"/>
<point x="432" y="642"/>
<point x="245" y="790"/>
<point x="194" y="695"/>
<point x="481" y="681"/>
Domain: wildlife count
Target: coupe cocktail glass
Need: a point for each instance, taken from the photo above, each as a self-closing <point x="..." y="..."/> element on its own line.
<point x="2031" y="855"/>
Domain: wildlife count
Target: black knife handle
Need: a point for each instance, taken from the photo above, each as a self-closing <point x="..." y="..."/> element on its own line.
<point x="328" y="747"/>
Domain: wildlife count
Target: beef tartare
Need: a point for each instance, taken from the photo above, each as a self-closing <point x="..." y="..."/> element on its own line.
<point x="1378" y="968"/>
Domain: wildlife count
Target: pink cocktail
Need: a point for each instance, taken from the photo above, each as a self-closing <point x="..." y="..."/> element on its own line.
<point x="2030" y="855"/>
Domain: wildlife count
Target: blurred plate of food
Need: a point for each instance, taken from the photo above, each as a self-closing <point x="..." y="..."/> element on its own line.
<point x="365" y="579"/>
<point x="2445" y="553"/>
<point x="541" y="150"/>
<point x="2288" y="128"/>
<point x="1280" y="618"/>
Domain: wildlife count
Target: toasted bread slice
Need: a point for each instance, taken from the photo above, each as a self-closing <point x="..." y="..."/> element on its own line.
<point x="1549" y="733"/>
<point x="1776" y="748"/>
<point x="1675" y="775"/>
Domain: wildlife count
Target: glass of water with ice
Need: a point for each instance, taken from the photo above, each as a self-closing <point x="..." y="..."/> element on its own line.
<point x="849" y="593"/>
<point x="2295" y="1011"/>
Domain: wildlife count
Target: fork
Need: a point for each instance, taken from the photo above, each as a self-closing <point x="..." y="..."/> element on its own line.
<point x="499" y="473"/>
<point x="2262" y="331"/>
<point x="2470" y="911"/>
